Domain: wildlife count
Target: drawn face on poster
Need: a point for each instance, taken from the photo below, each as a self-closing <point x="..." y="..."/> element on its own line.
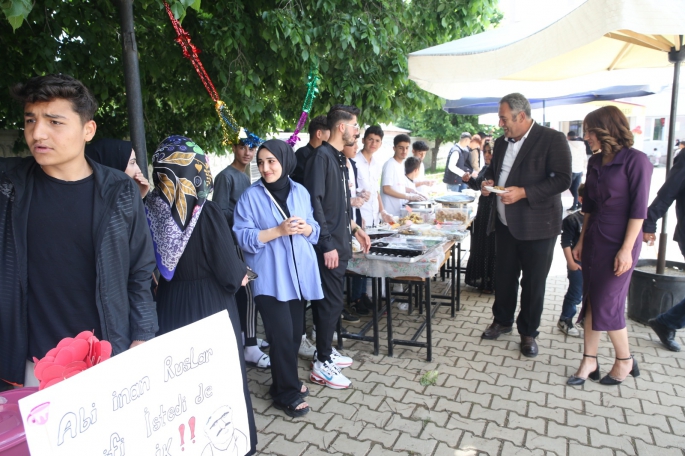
<point x="224" y="438"/>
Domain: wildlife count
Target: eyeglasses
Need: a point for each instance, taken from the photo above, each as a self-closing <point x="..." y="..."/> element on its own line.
<point x="355" y="126"/>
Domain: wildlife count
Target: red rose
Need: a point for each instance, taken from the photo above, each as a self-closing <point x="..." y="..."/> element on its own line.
<point x="69" y="357"/>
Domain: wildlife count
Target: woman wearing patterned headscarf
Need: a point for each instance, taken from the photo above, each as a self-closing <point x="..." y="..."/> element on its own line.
<point x="197" y="259"/>
<point x="275" y="227"/>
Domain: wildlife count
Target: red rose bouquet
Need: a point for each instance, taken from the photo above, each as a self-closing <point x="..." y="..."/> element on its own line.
<point x="69" y="357"/>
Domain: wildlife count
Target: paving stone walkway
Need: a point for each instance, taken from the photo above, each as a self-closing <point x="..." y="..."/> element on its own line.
<point x="488" y="398"/>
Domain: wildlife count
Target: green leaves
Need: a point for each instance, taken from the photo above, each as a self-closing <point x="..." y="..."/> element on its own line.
<point x="180" y="7"/>
<point x="16" y="11"/>
<point x="257" y="53"/>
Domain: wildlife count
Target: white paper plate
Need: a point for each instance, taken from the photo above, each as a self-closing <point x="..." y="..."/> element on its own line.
<point x="494" y="190"/>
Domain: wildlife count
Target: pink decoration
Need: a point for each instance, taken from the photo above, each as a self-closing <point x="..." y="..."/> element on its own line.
<point x="300" y="124"/>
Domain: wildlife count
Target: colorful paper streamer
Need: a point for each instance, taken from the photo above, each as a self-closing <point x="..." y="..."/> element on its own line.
<point x="229" y="127"/>
<point x="312" y="89"/>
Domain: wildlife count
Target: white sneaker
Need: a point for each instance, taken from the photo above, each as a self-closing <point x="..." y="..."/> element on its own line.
<point x="328" y="374"/>
<point x="568" y="328"/>
<point x="262" y="344"/>
<point x="339" y="360"/>
<point x="307" y="349"/>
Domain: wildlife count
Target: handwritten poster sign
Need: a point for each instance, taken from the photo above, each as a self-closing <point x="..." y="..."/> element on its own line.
<point x="178" y="394"/>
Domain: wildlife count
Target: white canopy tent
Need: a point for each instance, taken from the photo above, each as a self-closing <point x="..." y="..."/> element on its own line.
<point x="596" y="43"/>
<point x="600" y="43"/>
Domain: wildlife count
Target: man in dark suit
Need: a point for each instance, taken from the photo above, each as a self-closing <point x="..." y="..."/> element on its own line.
<point x="533" y="164"/>
<point x="666" y="324"/>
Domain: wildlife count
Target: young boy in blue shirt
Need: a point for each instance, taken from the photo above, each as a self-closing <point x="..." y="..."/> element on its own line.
<point x="570" y="234"/>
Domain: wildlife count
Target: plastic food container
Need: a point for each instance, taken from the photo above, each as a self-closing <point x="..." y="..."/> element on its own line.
<point x="12" y="436"/>
<point x="447" y="215"/>
<point x="454" y="233"/>
<point x="427" y="215"/>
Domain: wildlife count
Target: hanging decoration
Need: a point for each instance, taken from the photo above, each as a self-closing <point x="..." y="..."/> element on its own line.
<point x="312" y="90"/>
<point x="230" y="128"/>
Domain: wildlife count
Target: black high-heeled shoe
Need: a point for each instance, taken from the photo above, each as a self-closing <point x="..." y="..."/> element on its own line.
<point x="609" y="380"/>
<point x="577" y="381"/>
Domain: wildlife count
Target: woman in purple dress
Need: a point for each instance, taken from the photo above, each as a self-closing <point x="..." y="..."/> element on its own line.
<point x="615" y="205"/>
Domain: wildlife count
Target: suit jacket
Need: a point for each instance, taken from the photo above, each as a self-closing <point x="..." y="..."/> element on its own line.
<point x="543" y="168"/>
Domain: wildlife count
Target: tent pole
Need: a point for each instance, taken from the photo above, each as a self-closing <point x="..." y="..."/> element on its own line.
<point x="675" y="57"/>
<point x="134" y="96"/>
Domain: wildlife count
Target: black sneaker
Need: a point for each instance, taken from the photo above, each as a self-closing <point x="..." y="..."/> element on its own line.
<point x="359" y="307"/>
<point x="349" y="317"/>
<point x="366" y="302"/>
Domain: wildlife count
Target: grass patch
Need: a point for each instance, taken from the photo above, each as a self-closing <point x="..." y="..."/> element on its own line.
<point x="429" y="378"/>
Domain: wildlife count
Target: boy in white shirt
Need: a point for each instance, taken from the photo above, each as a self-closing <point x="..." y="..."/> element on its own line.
<point x="395" y="192"/>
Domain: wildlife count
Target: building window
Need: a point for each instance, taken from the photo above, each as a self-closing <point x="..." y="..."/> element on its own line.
<point x="659" y="129"/>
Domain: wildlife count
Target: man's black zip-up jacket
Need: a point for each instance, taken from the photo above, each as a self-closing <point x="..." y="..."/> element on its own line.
<point x="325" y="180"/>
<point x="124" y="261"/>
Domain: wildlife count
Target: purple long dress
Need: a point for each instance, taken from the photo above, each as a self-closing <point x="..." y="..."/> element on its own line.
<point x="614" y="193"/>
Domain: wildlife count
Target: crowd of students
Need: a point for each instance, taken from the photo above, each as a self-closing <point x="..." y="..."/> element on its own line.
<point x="80" y="222"/>
<point x="87" y="245"/>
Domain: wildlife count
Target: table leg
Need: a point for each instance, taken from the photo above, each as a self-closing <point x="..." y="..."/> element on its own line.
<point x="410" y="300"/>
<point x="388" y="309"/>
<point x="340" y="339"/>
<point x="455" y="272"/>
<point x="429" y="326"/>
<point x="420" y="295"/>
<point x="420" y="304"/>
<point x="375" y="294"/>
<point x="458" y="278"/>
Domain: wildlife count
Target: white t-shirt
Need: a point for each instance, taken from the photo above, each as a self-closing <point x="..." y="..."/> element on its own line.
<point x="393" y="175"/>
<point x="423" y="189"/>
<point x="369" y="178"/>
<point x="578" y="156"/>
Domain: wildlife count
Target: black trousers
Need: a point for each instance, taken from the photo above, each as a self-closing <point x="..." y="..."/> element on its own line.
<point x="248" y="314"/>
<point x="283" y="327"/>
<point x="530" y="261"/>
<point x="327" y="311"/>
<point x="247" y="310"/>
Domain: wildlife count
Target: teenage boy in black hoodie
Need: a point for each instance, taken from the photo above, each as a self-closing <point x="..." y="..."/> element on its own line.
<point x="76" y="250"/>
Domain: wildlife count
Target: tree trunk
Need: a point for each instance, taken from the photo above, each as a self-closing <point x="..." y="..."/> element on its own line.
<point x="134" y="97"/>
<point x="434" y="157"/>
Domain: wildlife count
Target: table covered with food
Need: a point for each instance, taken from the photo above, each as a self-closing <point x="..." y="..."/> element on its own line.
<point x="424" y="241"/>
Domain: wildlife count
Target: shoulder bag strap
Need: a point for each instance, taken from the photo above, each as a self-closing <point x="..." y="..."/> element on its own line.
<point x="278" y="206"/>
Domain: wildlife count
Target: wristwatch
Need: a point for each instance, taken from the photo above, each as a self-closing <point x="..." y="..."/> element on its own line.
<point x="355" y="229"/>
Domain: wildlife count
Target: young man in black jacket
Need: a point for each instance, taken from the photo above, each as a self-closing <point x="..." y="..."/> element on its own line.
<point x="325" y="180"/>
<point x="76" y="250"/>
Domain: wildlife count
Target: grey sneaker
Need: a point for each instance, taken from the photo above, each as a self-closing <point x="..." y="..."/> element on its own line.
<point x="307" y="349"/>
<point x="568" y="328"/>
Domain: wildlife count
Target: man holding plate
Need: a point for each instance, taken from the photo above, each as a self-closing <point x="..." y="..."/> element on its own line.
<point x="532" y="164"/>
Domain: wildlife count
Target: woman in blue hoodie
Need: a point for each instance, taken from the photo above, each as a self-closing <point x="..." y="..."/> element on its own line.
<point x="275" y="227"/>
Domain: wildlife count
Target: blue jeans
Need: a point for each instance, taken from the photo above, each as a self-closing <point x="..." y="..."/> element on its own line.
<point x="574" y="294"/>
<point x="457" y="187"/>
<point x="575" y="183"/>
<point x="674" y="318"/>
<point x="358" y="287"/>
